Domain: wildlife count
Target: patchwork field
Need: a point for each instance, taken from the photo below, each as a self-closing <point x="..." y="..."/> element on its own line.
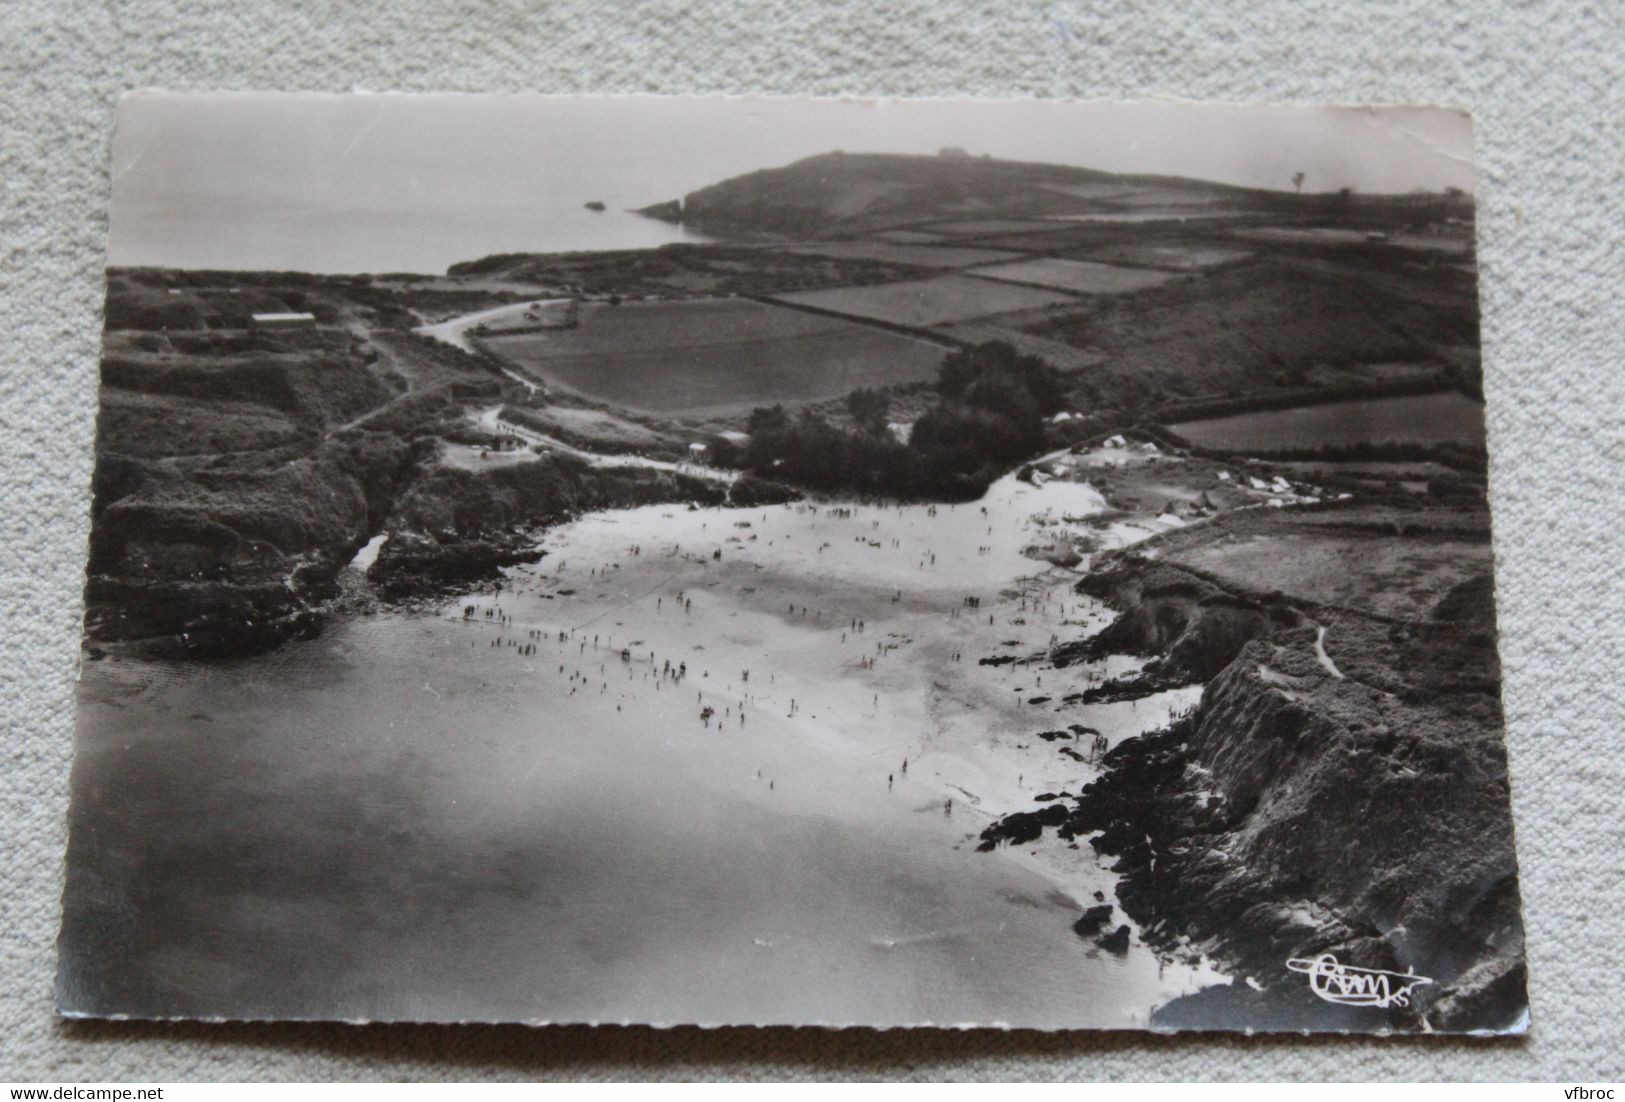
<point x="1449" y="418"/>
<point x="924" y="256"/>
<point x="926" y="302"/>
<point x="1268" y="323"/>
<point x="1076" y="275"/>
<point x="707" y="354"/>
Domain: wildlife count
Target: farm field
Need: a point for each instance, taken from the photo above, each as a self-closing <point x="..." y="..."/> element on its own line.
<point x="1103" y="190"/>
<point x="709" y="354"/>
<point x="1401" y="578"/>
<point x="1398" y="470"/>
<point x="926" y="302"/>
<point x="1248" y="327"/>
<point x="981" y="226"/>
<point x="909" y="237"/>
<point x="1076" y="275"/>
<point x="1185" y="256"/>
<point x="1170" y="197"/>
<point x="596" y="429"/>
<point x="1061" y="237"/>
<point x="1177" y="214"/>
<point x="1449" y="418"/>
<point x="1333" y="235"/>
<point x="924" y="256"/>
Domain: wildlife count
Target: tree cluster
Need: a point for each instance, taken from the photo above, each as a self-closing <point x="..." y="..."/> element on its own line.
<point x="989" y="415"/>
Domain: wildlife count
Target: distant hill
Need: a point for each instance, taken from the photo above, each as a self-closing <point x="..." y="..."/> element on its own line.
<point x="863" y="192"/>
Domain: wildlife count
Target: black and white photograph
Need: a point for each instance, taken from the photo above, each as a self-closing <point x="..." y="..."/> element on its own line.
<point x="773" y="561"/>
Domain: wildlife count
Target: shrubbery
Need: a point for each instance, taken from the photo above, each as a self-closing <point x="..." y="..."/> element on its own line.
<point x="992" y="402"/>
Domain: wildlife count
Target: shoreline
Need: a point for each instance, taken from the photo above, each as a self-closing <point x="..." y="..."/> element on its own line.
<point x="993" y="779"/>
<point x="973" y="745"/>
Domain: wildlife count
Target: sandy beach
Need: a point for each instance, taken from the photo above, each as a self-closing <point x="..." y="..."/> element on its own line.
<point x="667" y="697"/>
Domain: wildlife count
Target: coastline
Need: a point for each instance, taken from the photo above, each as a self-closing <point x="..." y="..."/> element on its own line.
<point x="969" y="745"/>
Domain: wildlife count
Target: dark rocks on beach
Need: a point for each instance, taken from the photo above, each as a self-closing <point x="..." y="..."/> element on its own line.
<point x="1023" y="826"/>
<point x="1115" y="942"/>
<point x="1093" y="920"/>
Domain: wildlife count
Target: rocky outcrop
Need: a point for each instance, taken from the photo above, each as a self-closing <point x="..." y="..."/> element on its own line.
<point x="1359" y="810"/>
<point x="1191" y="627"/>
<point x="669" y="211"/>
<point x="456" y="528"/>
<point x="232" y="560"/>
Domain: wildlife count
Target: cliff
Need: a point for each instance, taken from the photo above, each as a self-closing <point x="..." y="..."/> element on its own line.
<point x="232" y="559"/>
<point x="454" y="528"/>
<point x="1356" y="807"/>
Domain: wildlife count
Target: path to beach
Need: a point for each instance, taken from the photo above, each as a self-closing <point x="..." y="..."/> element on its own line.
<point x="490" y="419"/>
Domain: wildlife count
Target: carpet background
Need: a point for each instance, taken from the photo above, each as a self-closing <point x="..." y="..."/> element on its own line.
<point x="1544" y="82"/>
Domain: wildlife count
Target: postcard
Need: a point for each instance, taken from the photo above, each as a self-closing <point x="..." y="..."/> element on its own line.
<point x="744" y="561"/>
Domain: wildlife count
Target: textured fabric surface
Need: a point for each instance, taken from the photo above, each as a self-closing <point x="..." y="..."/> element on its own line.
<point x="1544" y="81"/>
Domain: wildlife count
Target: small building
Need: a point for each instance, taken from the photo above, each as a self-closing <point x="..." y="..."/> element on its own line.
<point x="282" y="321"/>
<point x="698" y="452"/>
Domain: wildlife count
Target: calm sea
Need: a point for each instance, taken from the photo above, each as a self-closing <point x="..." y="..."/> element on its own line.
<point x="239" y="234"/>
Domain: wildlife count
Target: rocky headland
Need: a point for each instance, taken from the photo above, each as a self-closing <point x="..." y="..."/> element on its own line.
<point x="1340" y="789"/>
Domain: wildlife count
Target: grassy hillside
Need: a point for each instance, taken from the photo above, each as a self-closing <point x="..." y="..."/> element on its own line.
<point x="847" y="193"/>
<point x="862" y="191"/>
